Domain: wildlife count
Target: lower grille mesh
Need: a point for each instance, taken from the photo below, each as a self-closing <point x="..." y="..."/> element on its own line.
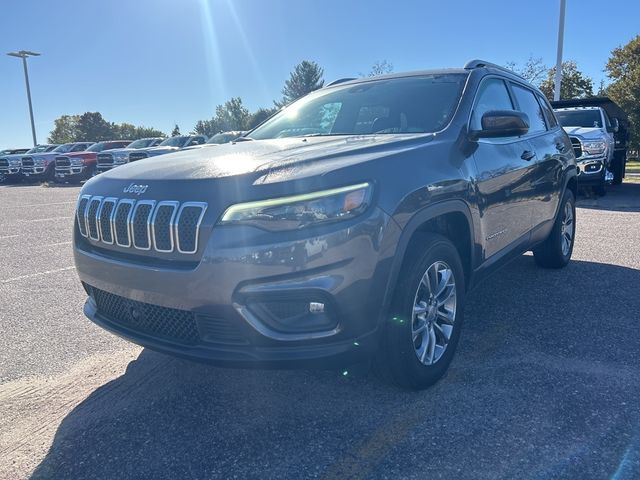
<point x="178" y="326"/>
<point x="168" y="323"/>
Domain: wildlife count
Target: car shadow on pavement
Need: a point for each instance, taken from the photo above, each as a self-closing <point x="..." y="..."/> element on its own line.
<point x="619" y="198"/>
<point x="538" y="386"/>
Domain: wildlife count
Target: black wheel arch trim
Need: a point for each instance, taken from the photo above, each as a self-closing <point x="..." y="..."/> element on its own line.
<point x="411" y="227"/>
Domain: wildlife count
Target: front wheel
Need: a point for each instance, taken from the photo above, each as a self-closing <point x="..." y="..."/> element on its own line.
<point x="421" y="336"/>
<point x="556" y="250"/>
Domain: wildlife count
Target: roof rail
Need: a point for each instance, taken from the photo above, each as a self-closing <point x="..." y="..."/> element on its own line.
<point x="477" y="63"/>
<point x="340" y="80"/>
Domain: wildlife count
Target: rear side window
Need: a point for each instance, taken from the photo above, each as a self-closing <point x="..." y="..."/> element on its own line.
<point x="528" y="104"/>
<point x="492" y="95"/>
<point x="548" y="112"/>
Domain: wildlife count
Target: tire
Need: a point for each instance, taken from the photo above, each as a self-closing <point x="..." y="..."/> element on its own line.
<point x="618" y="169"/>
<point x="408" y="355"/>
<point x="556" y="250"/>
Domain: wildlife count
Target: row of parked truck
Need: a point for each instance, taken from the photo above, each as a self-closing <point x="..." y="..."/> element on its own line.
<point x="597" y="127"/>
<point x="78" y="161"/>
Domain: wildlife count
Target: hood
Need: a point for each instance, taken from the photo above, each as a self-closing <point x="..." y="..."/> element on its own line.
<point x="47" y="157"/>
<point x="12" y="156"/>
<point x="585" y="132"/>
<point x="268" y="161"/>
<point x="159" y="150"/>
<point x="84" y="154"/>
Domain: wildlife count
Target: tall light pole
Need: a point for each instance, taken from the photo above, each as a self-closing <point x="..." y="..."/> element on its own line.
<point x="23" y="54"/>
<point x="556" y="93"/>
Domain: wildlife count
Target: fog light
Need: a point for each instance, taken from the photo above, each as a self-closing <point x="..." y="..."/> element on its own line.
<point x="294" y="314"/>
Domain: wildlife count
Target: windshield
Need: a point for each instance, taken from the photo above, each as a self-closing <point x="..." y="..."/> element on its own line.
<point x="40" y="148"/>
<point x="142" y="143"/>
<point x="97" y="147"/>
<point x="579" y="118"/>
<point x="64" y="148"/>
<point x="418" y="104"/>
<point x="219" y="138"/>
<point x="174" y="142"/>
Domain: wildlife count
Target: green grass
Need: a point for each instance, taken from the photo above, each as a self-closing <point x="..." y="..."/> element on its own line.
<point x="633" y="167"/>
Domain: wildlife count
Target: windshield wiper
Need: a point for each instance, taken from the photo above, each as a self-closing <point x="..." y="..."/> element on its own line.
<point x="243" y="139"/>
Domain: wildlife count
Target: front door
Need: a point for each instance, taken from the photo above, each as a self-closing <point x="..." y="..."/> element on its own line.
<point x="504" y="175"/>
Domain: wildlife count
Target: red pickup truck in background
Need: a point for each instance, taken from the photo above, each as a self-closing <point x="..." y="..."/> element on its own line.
<point x="75" y="167"/>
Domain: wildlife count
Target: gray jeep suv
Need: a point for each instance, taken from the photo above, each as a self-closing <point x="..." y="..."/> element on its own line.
<point x="344" y="230"/>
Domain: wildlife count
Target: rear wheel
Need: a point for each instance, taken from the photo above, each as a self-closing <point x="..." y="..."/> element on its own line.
<point x="422" y="335"/>
<point x="556" y="250"/>
<point x="617" y="168"/>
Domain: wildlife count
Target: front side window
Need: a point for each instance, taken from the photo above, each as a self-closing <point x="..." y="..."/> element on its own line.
<point x="419" y="104"/>
<point x="528" y="104"/>
<point x="492" y="95"/>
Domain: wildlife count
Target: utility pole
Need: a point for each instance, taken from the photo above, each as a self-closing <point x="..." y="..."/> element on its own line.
<point x="23" y="54"/>
<point x="556" y="93"/>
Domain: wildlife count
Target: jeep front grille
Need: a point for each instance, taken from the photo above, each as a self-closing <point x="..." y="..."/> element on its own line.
<point x="577" y="146"/>
<point x="137" y="156"/>
<point x="27" y="161"/>
<point x="63" y="161"/>
<point x="166" y="226"/>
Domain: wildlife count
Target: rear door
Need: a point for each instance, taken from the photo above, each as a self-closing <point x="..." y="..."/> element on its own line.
<point x="549" y="144"/>
<point x="503" y="177"/>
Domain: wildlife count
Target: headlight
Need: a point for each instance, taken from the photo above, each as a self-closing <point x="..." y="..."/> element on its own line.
<point x="299" y="211"/>
<point x="15" y="162"/>
<point x="594" y="148"/>
<point x="76" y="162"/>
<point x="120" y="157"/>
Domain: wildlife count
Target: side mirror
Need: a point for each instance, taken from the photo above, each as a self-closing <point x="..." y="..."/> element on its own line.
<point x="502" y="123"/>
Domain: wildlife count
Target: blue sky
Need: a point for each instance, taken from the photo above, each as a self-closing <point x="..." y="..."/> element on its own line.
<point x="160" y="62"/>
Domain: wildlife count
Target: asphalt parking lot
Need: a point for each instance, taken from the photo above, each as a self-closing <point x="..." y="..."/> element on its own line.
<point x="545" y="383"/>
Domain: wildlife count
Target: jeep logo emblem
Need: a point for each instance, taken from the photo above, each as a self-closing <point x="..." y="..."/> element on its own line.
<point x="137" y="189"/>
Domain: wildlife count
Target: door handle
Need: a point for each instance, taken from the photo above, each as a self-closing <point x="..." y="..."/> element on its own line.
<point x="560" y="147"/>
<point x="527" y="155"/>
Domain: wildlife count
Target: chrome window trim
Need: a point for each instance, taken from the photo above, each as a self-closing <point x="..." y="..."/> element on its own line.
<point x="203" y="209"/>
<point x="113" y="200"/>
<point x="83" y="221"/>
<point x="98" y="199"/>
<point x="127" y="201"/>
<point x="172" y="223"/>
<point x="140" y="203"/>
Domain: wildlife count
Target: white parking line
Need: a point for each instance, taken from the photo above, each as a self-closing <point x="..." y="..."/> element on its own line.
<point x="55" y="244"/>
<point x="11" y="236"/>
<point x="35" y="220"/>
<point x="36" y="205"/>
<point x="22" y="277"/>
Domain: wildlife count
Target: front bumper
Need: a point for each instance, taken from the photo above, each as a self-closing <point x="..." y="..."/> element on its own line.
<point x="233" y="288"/>
<point x="591" y="171"/>
<point x="74" y="172"/>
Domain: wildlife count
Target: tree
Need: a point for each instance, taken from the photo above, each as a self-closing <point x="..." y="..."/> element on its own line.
<point x="92" y="127"/>
<point x="305" y="78"/>
<point x="232" y="115"/>
<point x="207" y="127"/>
<point x="65" y="129"/>
<point x="574" y="83"/>
<point x="533" y="70"/>
<point x="259" y="116"/>
<point x="380" y="68"/>
<point x="176" y="131"/>
<point x="623" y="68"/>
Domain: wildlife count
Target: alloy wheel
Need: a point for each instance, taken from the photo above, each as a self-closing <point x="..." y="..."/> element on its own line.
<point x="434" y="312"/>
